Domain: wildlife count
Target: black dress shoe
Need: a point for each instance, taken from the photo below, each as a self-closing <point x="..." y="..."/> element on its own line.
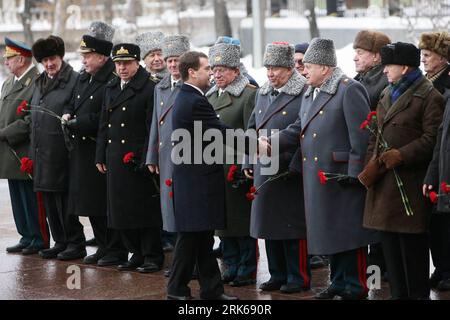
<point x="223" y="296"/>
<point x="326" y="294"/>
<point x="31" y="250"/>
<point x="271" y="285"/>
<point x="149" y="267"/>
<point x="242" y="281"/>
<point x="52" y="252"/>
<point x="132" y="264"/>
<point x="72" y="254"/>
<point x="112" y="260"/>
<point x="292" y="288"/>
<point x="91" y="242"/>
<point x="173" y="297"/>
<point x="16" y="248"/>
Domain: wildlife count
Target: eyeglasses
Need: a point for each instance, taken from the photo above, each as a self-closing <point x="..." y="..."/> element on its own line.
<point x="299" y="62"/>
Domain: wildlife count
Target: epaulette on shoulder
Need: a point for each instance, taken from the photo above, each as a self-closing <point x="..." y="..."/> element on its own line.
<point x="345" y="80"/>
<point x="154" y="79"/>
<point x="251" y="86"/>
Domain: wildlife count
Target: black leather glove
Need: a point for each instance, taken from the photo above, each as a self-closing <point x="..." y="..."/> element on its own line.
<point x="72" y="124"/>
<point x="348" y="182"/>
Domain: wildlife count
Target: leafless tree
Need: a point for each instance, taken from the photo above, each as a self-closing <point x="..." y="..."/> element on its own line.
<point x="310" y="14"/>
<point x="60" y="17"/>
<point x="222" y="20"/>
<point x="434" y="11"/>
<point x="108" y="4"/>
<point x="26" y="22"/>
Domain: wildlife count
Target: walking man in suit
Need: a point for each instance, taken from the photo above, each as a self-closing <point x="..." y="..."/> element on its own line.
<point x="198" y="190"/>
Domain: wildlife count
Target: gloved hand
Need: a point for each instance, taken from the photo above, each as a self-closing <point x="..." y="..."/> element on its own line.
<point x="72" y="124"/>
<point x="348" y="182"/>
<point x="391" y="158"/>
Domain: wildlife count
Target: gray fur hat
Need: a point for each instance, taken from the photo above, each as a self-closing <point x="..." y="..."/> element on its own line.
<point x="149" y="41"/>
<point x="101" y="31"/>
<point x="175" y="46"/>
<point x="279" y="54"/>
<point x="321" y="51"/>
<point x="226" y="55"/>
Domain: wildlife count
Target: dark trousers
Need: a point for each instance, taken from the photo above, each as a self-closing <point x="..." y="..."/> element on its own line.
<point x="168" y="237"/>
<point x="145" y="242"/>
<point x="65" y="228"/>
<point x="195" y="248"/>
<point x="376" y="257"/>
<point x="407" y="262"/>
<point x="288" y="261"/>
<point x="108" y="240"/>
<point x="440" y="243"/>
<point x="239" y="256"/>
<point x="28" y="216"/>
<point x="348" y="272"/>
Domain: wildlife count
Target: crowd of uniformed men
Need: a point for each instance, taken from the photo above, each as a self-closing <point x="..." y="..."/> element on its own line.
<point x="99" y="144"/>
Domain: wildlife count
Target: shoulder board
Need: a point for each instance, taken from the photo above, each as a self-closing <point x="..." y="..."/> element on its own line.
<point x="251" y="86"/>
<point x="27" y="83"/>
<point x="154" y="79"/>
<point x="345" y="80"/>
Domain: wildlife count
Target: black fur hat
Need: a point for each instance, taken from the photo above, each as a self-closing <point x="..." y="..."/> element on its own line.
<point x="400" y="53"/>
<point x="51" y="46"/>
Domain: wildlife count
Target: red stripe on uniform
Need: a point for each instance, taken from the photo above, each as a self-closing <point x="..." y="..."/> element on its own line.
<point x="42" y="220"/>
<point x="362" y="270"/>
<point x="303" y="256"/>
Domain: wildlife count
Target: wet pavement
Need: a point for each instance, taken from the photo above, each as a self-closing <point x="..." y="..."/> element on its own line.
<point x="31" y="277"/>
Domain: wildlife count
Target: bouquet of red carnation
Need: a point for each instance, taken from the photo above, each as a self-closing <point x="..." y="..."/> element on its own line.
<point x="129" y="159"/>
<point x="26" y="165"/>
<point x="371" y="124"/>
<point x="251" y="194"/>
<point x="324" y="177"/>
<point x="235" y="176"/>
<point x="434" y="196"/>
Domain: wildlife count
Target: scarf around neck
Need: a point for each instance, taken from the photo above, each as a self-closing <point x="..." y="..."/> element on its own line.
<point x="403" y="84"/>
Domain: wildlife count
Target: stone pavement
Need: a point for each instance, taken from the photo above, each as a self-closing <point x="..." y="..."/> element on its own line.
<point x="30" y="277"/>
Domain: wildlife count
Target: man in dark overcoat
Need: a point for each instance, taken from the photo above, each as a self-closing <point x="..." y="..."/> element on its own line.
<point x="87" y="186"/>
<point x="133" y="201"/>
<point x="435" y="52"/>
<point x="53" y="91"/>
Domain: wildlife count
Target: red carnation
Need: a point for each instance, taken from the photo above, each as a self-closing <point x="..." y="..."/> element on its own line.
<point x="250" y="196"/>
<point x="371" y="115"/>
<point x="364" y="124"/>
<point x="323" y="178"/>
<point x="433" y="197"/>
<point x="252" y="189"/>
<point x="128" y="157"/>
<point x="231" y="171"/>
<point x="171" y="194"/>
<point x="445" y="187"/>
<point x="168" y="182"/>
<point x="22" y="107"/>
<point x="26" y="165"/>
